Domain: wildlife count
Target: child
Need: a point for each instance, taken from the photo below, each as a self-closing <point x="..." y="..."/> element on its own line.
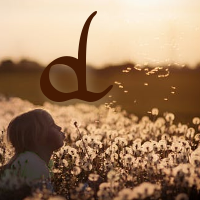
<point x="34" y="136"/>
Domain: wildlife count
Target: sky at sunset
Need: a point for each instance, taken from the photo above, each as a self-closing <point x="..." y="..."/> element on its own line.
<point x="140" y="31"/>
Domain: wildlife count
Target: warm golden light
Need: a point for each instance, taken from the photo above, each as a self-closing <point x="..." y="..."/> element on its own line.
<point x="141" y="31"/>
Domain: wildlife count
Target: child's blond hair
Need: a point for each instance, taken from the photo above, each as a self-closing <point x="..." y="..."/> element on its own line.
<point x="24" y="131"/>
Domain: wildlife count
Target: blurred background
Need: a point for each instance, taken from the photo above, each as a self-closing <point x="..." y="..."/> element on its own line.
<point x="148" y="49"/>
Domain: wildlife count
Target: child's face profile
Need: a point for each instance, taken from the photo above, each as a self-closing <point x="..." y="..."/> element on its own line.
<point x="55" y="137"/>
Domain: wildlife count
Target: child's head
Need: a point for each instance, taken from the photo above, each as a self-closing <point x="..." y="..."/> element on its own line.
<point x="28" y="130"/>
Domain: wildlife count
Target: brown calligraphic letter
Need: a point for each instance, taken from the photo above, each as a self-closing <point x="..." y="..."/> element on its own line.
<point x="79" y="66"/>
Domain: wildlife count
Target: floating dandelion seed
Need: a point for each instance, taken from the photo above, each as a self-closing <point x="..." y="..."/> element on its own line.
<point x="128" y="68"/>
<point x="114" y="101"/>
<point x="125" y="91"/>
<point x="135" y="101"/>
<point x="146" y="84"/>
<point x="118" y="83"/>
<point x="173" y="87"/>
<point x="173" y="92"/>
<point x="137" y="67"/>
<point x="110" y="96"/>
<point x="164" y="75"/>
<point x="166" y="99"/>
<point x="120" y="86"/>
<point x="125" y="71"/>
<point x="156" y="69"/>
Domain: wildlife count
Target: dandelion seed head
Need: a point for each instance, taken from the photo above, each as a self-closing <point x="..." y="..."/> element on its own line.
<point x="155" y="111"/>
<point x="76" y="170"/>
<point x="112" y="175"/>
<point x="182" y="196"/>
<point x="169" y="117"/>
<point x="75" y="123"/>
<point x="196" y="120"/>
<point x="65" y="162"/>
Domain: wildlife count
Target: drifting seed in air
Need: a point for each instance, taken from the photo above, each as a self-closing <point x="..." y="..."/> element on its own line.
<point x="120" y="86"/>
<point x="165" y="99"/>
<point x="125" y="91"/>
<point x="118" y="83"/>
<point x="110" y="96"/>
<point x="124" y="71"/>
<point x="146" y="84"/>
<point x="137" y="67"/>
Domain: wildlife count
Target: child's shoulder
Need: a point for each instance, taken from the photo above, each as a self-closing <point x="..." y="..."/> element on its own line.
<point x="30" y="165"/>
<point x="28" y="158"/>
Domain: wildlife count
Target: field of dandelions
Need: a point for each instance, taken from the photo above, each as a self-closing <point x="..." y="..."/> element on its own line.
<point x="112" y="155"/>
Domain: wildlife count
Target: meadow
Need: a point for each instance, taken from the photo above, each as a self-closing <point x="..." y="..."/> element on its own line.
<point x="110" y="154"/>
<point x="173" y="89"/>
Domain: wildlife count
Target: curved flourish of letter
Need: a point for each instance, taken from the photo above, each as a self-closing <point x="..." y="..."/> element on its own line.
<point x="79" y="66"/>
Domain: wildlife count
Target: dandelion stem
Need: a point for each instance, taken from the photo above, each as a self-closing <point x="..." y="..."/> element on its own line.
<point x="75" y="124"/>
